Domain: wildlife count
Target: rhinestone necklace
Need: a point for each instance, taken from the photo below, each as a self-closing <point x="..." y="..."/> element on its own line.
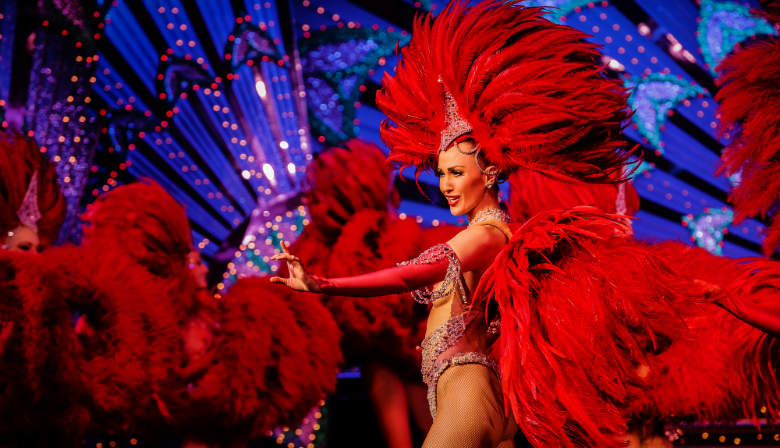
<point x="490" y="214"/>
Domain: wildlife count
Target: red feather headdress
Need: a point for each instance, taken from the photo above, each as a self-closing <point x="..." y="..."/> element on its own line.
<point x="530" y="91"/>
<point x="20" y="159"/>
<point x="147" y="222"/>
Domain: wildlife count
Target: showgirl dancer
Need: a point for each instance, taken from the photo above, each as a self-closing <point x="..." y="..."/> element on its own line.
<point x="64" y="370"/>
<point x="461" y="99"/>
<point x="32" y="208"/>
<point x="231" y="382"/>
<point x="32" y="378"/>
<point x="479" y="93"/>
<point x="355" y="228"/>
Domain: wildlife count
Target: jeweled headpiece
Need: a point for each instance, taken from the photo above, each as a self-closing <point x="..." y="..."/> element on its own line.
<point x="29" y="214"/>
<point x="528" y="90"/>
<point x="455" y="126"/>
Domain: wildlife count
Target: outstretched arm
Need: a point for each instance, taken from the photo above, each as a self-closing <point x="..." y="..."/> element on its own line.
<point x="473" y="248"/>
<point x="378" y="283"/>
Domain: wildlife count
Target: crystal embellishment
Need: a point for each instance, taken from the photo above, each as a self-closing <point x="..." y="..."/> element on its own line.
<point x="451" y="279"/>
<point x="490" y="214"/>
<point x="454" y="125"/>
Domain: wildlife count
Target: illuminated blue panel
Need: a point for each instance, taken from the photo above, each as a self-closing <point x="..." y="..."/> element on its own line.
<point x="178" y="160"/>
<point x="130" y="39"/>
<point x="733" y="250"/>
<point x="141" y="168"/>
<point x="7" y="28"/>
<point x="111" y="87"/>
<point x="192" y="126"/>
<point x="671" y="192"/>
<point x="679" y="19"/>
<point x="652" y="228"/>
<point x="219" y="20"/>
<point x="701" y="112"/>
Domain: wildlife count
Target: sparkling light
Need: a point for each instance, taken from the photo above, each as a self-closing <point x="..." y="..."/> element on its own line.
<point x="260" y="87"/>
<point x="269" y="172"/>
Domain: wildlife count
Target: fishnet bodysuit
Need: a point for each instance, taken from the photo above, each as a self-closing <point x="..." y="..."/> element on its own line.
<point x="464" y="391"/>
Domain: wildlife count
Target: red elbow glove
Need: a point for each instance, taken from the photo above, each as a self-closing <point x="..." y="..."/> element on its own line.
<point x="427" y="269"/>
<point x="386" y="281"/>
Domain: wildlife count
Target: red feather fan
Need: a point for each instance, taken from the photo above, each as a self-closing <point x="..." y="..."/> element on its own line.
<point x="42" y="395"/>
<point x="530" y="89"/>
<point x="270" y="365"/>
<point x="749" y="99"/>
<point x="344" y="181"/>
<point x="354" y="230"/>
<point x="722" y="368"/>
<point x="128" y="336"/>
<point x="144" y="221"/>
<point x="596" y="330"/>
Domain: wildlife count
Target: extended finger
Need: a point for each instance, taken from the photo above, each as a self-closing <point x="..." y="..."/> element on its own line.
<point x="283" y="245"/>
<point x="279" y="280"/>
<point x="287" y="257"/>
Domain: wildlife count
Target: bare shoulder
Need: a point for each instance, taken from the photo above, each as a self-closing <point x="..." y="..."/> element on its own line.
<point x="476" y="245"/>
<point x="479" y="235"/>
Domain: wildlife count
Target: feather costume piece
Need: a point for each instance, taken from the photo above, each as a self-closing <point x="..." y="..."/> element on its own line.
<point x="530" y="90"/>
<point x="128" y="336"/>
<point x="749" y="99"/>
<point x="598" y="328"/>
<point x="150" y="225"/>
<point x="20" y="159"/>
<point x="43" y="399"/>
<point x="271" y="365"/>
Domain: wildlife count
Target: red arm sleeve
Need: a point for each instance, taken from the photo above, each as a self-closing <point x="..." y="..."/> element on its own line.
<point x="393" y="280"/>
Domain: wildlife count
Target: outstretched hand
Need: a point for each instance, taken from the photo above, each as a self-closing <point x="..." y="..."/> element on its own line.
<point x="298" y="279"/>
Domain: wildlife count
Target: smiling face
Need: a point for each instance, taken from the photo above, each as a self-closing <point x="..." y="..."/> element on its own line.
<point x="461" y="181"/>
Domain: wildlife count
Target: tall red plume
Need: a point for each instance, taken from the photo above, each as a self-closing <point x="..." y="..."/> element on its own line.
<point x="532" y="192"/>
<point x="20" y="158"/>
<point x="129" y="341"/>
<point x="723" y="369"/>
<point x="531" y="90"/>
<point x="749" y="99"/>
